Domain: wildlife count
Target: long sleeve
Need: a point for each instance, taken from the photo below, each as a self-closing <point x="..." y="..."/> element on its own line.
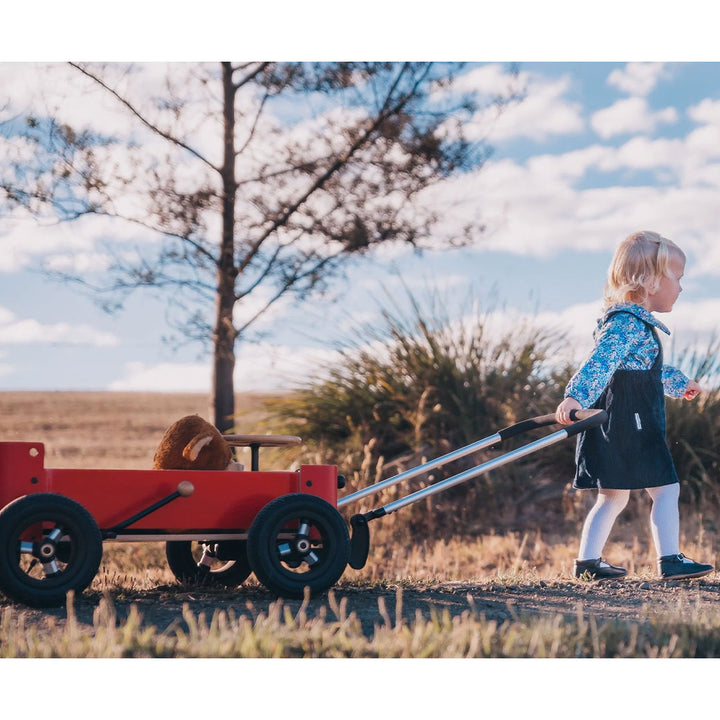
<point x="623" y="341"/>
<point x="674" y="382"/>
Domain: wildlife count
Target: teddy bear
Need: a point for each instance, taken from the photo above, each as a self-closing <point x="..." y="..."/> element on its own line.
<point x="192" y="443"/>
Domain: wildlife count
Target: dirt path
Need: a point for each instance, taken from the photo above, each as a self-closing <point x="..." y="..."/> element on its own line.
<point x="630" y="600"/>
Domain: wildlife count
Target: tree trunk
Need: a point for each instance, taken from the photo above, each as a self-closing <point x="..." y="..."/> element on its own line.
<point x="223" y="392"/>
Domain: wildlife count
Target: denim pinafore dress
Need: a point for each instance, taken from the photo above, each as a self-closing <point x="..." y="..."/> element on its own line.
<point x="629" y="451"/>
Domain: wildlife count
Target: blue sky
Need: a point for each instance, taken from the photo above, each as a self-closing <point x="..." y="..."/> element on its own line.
<point x="595" y="151"/>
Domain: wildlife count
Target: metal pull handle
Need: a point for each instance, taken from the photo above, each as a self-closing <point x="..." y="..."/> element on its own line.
<point x="593" y="416"/>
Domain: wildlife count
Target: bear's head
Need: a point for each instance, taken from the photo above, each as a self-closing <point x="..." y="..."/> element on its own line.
<point x="192" y="443"/>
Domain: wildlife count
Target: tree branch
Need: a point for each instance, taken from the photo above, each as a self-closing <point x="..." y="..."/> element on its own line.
<point x="250" y="76"/>
<point x="287" y="285"/>
<point x="143" y="120"/>
<point x="386" y="111"/>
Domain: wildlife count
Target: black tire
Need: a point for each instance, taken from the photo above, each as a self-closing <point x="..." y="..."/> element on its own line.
<point x="286" y="557"/>
<point x="49" y="544"/>
<point x="183" y="557"/>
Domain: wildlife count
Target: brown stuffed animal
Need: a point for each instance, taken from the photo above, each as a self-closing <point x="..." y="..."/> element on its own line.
<point x="192" y="443"/>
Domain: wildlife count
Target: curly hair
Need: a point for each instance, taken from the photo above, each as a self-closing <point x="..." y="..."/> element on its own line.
<point x="639" y="263"/>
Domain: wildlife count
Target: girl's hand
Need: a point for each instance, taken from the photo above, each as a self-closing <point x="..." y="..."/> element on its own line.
<point x="692" y="390"/>
<point x="562" y="414"/>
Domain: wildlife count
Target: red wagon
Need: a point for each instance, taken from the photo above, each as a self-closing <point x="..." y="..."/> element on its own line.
<point x="283" y="526"/>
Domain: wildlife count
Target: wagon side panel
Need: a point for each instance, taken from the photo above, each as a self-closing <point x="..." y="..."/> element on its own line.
<point x="22" y="470"/>
<point x="220" y="500"/>
<point x="320" y="480"/>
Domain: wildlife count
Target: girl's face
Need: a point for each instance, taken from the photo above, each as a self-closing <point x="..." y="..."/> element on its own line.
<point x="664" y="297"/>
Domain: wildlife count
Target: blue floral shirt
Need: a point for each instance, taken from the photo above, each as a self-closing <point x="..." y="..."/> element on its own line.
<point x="624" y="342"/>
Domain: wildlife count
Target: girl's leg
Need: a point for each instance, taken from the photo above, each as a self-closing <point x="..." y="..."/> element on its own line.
<point x="600" y="521"/>
<point x="665" y="519"/>
<point x="665" y="528"/>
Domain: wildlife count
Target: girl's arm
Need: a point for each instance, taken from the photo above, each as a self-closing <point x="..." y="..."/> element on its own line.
<point x="620" y="337"/>
<point x="678" y="385"/>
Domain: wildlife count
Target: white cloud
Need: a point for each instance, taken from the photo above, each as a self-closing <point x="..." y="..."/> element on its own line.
<point x="259" y="367"/>
<point x="630" y="115"/>
<point x="692" y="325"/>
<point x="707" y="112"/>
<point x="638" y="78"/>
<point x="164" y="377"/>
<point x="78" y="263"/>
<point x="58" y="89"/>
<point x="5" y="368"/>
<point x="543" y="112"/>
<point x="65" y="246"/>
<point x="542" y="206"/>
<point x="574" y="324"/>
<point x="700" y="318"/>
<point x="641" y="153"/>
<point x="570" y="166"/>
<point x="17" y="331"/>
<point x="265" y="367"/>
<point x="489" y="81"/>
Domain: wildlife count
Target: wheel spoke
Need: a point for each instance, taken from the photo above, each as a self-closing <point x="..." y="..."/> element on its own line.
<point x="51" y="568"/>
<point x="311" y="558"/>
<point x="55" y="535"/>
<point x="285" y="550"/>
<point x="26" y="548"/>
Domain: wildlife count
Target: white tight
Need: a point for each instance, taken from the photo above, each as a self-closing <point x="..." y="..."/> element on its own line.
<point x="664" y="520"/>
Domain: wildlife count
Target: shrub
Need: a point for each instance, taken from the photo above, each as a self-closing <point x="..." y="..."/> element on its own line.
<point x="423" y="384"/>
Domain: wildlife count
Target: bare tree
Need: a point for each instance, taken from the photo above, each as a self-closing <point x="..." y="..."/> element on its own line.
<point x="246" y="179"/>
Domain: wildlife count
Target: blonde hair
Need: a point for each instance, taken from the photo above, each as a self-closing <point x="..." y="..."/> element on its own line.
<point x="640" y="262"/>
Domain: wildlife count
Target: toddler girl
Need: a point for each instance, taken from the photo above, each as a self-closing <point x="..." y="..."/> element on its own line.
<point x="625" y="376"/>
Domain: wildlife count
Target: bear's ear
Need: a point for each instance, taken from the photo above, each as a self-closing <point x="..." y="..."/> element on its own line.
<point x="192" y="449"/>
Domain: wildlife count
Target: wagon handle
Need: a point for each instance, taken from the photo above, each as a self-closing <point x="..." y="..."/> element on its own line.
<point x="360" y="541"/>
<point x="577" y="416"/>
<point x="585" y="418"/>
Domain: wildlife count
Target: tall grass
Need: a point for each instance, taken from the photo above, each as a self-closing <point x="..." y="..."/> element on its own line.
<point x="693" y="428"/>
<point x="332" y="629"/>
<point x="337" y="633"/>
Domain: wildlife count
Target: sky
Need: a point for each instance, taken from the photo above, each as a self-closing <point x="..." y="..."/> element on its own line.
<point x="594" y="151"/>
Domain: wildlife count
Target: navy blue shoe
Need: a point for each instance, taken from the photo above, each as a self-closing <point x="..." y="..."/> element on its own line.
<point x="598" y="569"/>
<point x="677" y="567"/>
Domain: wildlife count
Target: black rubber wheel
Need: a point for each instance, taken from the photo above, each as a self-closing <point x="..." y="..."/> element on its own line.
<point x="296" y="541"/>
<point x="229" y="565"/>
<point x="49" y="544"/>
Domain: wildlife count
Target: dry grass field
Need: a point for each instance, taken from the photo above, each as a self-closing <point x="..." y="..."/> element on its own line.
<point x="112" y="430"/>
<point x="492" y="595"/>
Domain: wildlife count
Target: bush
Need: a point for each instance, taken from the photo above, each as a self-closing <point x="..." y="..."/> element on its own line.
<point x="420" y="386"/>
<point x="693" y="429"/>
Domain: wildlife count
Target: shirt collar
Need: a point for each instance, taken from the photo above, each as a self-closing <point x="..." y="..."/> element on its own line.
<point x="640" y="312"/>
